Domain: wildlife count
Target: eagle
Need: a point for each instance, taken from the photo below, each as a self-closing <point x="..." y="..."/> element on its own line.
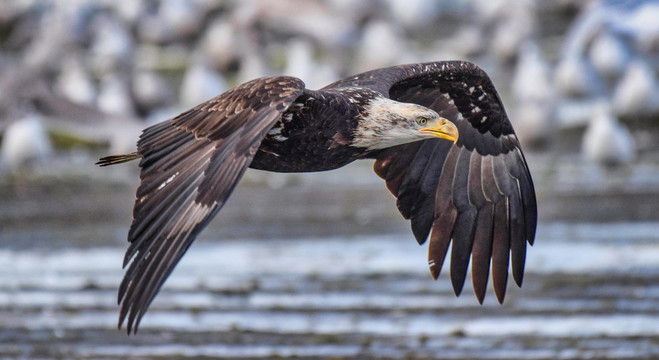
<point x="438" y="133"/>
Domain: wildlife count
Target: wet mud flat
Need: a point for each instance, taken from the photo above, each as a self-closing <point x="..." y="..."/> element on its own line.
<point x="333" y="273"/>
<point x="353" y="297"/>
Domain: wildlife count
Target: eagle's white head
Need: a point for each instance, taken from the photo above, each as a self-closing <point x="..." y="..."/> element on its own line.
<point x="386" y="123"/>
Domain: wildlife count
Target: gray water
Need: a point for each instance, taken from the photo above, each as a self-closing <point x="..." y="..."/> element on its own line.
<point x="333" y="272"/>
<point x="591" y="291"/>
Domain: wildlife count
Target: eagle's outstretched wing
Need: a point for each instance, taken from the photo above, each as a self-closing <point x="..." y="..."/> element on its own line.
<point x="477" y="192"/>
<point x="190" y="165"/>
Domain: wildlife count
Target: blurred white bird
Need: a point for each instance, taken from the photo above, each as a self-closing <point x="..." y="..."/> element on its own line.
<point x="174" y="20"/>
<point x="200" y="83"/>
<point x="575" y="77"/>
<point x="111" y="44"/>
<point x="130" y="11"/>
<point x="642" y="26"/>
<point x="534" y="99"/>
<point x="252" y="62"/>
<point x="300" y="63"/>
<point x="505" y="24"/>
<point x="532" y="77"/>
<point x="220" y="43"/>
<point x="322" y="21"/>
<point x="637" y="92"/>
<point x="299" y="59"/>
<point x="150" y="90"/>
<point x="512" y="31"/>
<point x="467" y="42"/>
<point x="53" y="36"/>
<point x="181" y="16"/>
<point x="375" y="48"/>
<point x="488" y="11"/>
<point x="609" y="55"/>
<point x="252" y="67"/>
<point x="75" y="83"/>
<point x="606" y="141"/>
<point x="25" y="142"/>
<point x="414" y="13"/>
<point x="114" y="96"/>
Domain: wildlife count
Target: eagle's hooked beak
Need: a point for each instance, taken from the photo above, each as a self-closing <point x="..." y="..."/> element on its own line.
<point x="443" y="129"/>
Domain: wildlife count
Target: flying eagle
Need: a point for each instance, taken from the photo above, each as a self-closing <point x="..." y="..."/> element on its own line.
<point x="439" y="135"/>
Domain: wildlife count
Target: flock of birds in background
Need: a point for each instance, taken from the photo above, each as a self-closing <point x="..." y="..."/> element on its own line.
<point x="100" y="69"/>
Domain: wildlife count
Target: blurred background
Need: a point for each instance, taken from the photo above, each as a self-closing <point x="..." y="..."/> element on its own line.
<point x="322" y="265"/>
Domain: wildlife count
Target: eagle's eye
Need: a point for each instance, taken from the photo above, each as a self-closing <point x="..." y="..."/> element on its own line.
<point x="421" y="120"/>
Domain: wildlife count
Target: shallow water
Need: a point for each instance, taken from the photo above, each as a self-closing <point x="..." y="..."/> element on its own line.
<point x="591" y="290"/>
<point x="323" y="266"/>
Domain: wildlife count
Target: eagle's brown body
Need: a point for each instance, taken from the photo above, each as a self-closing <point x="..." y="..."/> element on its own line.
<point x="476" y="194"/>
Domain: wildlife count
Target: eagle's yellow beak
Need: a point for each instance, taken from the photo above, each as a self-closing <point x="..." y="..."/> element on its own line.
<point x="443" y="129"/>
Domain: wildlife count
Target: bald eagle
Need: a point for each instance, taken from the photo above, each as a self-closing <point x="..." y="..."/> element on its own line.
<point x="439" y="135"/>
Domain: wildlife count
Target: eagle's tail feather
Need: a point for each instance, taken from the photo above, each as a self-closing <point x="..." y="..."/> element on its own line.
<point x="117" y="159"/>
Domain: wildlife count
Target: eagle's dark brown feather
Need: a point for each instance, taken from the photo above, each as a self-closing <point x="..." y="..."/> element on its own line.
<point x="477" y="193"/>
<point x="190" y="166"/>
<point x="487" y="211"/>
